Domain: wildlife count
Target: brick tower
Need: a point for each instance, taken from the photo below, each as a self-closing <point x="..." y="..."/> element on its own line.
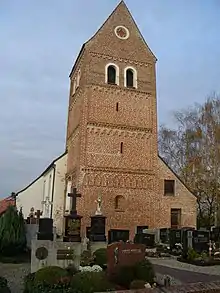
<point x="112" y="126"/>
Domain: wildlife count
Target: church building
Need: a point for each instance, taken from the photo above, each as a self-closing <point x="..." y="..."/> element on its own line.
<point x="111" y="142"/>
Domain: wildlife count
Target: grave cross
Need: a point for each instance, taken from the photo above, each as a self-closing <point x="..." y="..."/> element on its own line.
<point x="38" y="213"/>
<point x="47" y="203"/>
<point x="73" y="194"/>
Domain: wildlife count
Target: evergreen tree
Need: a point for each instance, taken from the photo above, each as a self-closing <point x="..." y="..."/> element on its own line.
<point x="12" y="232"/>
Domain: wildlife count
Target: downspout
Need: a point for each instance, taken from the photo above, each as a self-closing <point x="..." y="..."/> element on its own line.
<point x="54" y="169"/>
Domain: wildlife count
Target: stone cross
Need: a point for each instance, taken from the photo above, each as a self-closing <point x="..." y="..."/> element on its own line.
<point x="47" y="203"/>
<point x="74" y="196"/>
<point x="98" y="210"/>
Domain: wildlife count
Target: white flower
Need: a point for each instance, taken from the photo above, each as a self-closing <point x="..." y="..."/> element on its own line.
<point x="94" y="268"/>
<point x="147" y="285"/>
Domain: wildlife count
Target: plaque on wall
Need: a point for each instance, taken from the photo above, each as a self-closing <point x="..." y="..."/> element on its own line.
<point x="41" y="253"/>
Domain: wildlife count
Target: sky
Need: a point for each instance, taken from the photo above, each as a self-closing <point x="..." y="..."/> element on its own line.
<point x="39" y="41"/>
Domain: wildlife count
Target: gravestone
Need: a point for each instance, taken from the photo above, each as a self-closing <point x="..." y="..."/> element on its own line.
<point x="215" y="234"/>
<point x="123" y="254"/>
<point x="140" y="229"/>
<point x="195" y="239"/>
<point x="165" y="235"/>
<point x="97" y="232"/>
<point x="116" y="235"/>
<point x="175" y="237"/>
<point x="73" y="220"/>
<point x="201" y="241"/>
<point x="145" y="238"/>
<point x="45" y="230"/>
<point x="54" y="253"/>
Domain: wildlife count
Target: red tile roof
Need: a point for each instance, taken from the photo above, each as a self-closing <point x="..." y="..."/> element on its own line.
<point x="4" y="203"/>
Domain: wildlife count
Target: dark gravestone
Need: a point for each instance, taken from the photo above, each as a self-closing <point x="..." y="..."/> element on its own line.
<point x="201" y="241"/>
<point x="185" y="236"/>
<point x="145" y="238"/>
<point x="72" y="228"/>
<point x="215" y="234"/>
<point x="175" y="237"/>
<point x="116" y="235"/>
<point x="165" y="235"/>
<point x="140" y="229"/>
<point x="97" y="232"/>
<point x="73" y="220"/>
<point x="45" y="231"/>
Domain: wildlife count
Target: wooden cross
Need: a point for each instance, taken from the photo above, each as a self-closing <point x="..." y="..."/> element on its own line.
<point x="74" y="196"/>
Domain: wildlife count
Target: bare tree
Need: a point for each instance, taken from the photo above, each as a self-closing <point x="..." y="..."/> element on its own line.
<point x="192" y="150"/>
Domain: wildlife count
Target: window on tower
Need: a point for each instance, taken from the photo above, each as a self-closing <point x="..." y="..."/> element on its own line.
<point x="130" y="77"/>
<point x="112" y="74"/>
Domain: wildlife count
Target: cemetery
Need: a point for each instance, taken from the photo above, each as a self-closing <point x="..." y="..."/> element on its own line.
<point x="97" y="263"/>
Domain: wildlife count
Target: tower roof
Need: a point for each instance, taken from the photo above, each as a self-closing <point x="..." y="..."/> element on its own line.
<point x="119" y="16"/>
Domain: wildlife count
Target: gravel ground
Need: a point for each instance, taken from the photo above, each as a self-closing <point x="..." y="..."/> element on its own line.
<point x="174" y="264"/>
<point x="15" y="273"/>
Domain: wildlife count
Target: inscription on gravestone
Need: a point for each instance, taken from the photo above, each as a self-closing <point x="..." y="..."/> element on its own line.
<point x="124" y="254"/>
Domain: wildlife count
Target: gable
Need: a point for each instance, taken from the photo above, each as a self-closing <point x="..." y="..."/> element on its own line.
<point x="39" y="178"/>
<point x="106" y="42"/>
<point x="166" y="173"/>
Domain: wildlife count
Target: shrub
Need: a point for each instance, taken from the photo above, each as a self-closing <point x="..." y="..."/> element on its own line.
<point x="124" y="275"/>
<point x="51" y="289"/>
<point x="100" y="256"/>
<point x="192" y="254"/>
<point x="137" y="284"/>
<point x="50" y="276"/>
<point x="12" y="232"/>
<point x="4" y="286"/>
<point x="144" y="271"/>
<point x="29" y="283"/>
<point x="71" y="269"/>
<point x="89" y="282"/>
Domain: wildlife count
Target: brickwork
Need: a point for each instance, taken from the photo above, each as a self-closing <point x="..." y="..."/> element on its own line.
<point x="96" y="130"/>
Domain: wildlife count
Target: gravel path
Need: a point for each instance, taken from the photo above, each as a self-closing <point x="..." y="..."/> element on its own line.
<point x="183" y="276"/>
<point x="15" y="273"/>
<point x="174" y="264"/>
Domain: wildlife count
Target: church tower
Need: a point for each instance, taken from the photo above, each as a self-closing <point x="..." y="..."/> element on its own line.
<point x="112" y="127"/>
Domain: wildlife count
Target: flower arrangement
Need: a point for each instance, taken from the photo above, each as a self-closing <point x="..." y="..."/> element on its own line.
<point x="94" y="268"/>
